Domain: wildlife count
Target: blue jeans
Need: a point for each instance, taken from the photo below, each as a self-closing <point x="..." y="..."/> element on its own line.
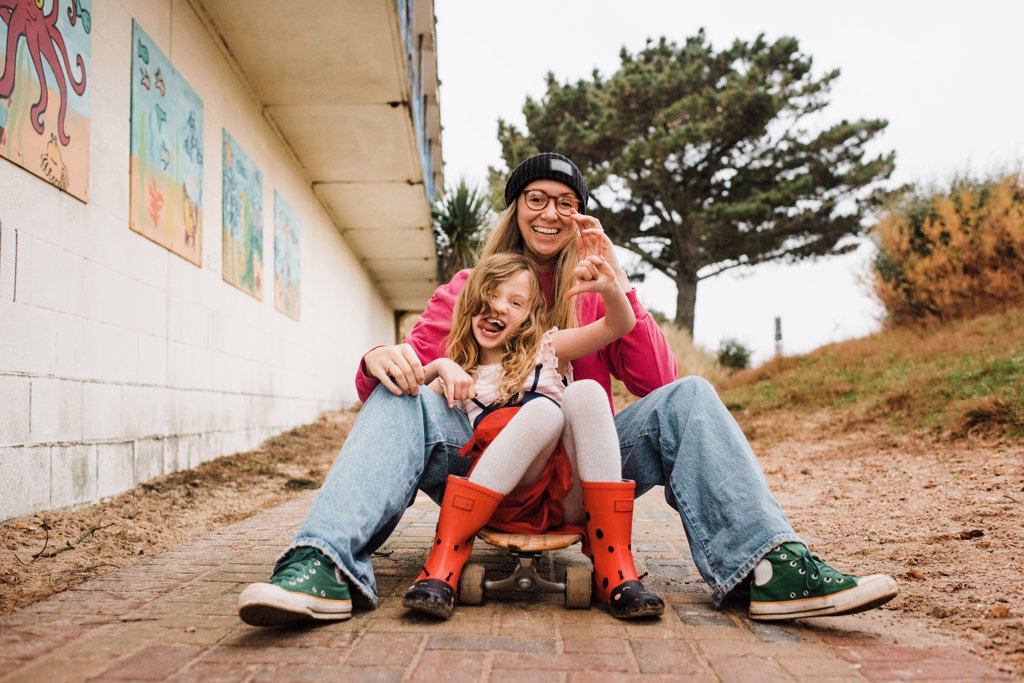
<point x="681" y="437"/>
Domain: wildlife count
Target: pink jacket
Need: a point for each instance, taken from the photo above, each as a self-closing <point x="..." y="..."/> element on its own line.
<point x="642" y="359"/>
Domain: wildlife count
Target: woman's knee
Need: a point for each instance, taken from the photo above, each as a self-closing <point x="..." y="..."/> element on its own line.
<point x="692" y="388"/>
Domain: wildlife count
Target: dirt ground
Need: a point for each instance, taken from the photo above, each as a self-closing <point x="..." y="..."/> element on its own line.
<point x="943" y="517"/>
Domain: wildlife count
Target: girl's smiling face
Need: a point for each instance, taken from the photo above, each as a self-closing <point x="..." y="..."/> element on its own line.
<point x="545" y="232"/>
<point x="506" y="310"/>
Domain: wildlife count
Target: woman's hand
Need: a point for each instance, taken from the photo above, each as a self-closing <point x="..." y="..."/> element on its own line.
<point x="595" y="274"/>
<point x="591" y="240"/>
<point x="397" y="367"/>
<point x="456" y="384"/>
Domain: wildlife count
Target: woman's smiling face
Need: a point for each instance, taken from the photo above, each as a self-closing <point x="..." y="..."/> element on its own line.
<point x="545" y="232"/>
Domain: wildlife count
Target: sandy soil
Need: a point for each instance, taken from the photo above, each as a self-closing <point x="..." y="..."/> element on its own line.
<point x="943" y="517"/>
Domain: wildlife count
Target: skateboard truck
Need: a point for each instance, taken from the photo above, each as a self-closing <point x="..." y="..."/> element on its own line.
<point x="527" y="549"/>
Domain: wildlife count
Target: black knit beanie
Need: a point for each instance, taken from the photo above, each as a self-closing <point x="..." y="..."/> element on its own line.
<point x="547" y="166"/>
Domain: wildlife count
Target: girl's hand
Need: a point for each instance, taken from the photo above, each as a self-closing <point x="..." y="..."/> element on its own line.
<point x="456" y="384"/>
<point x="397" y="367"/>
<point x="591" y="240"/>
<point x="594" y="274"/>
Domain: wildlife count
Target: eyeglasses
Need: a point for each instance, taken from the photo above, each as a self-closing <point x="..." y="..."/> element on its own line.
<point x="537" y="200"/>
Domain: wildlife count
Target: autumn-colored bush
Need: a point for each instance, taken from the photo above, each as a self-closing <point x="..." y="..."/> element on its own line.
<point x="949" y="255"/>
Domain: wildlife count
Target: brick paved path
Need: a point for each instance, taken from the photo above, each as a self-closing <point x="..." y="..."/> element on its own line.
<point x="173" y="618"/>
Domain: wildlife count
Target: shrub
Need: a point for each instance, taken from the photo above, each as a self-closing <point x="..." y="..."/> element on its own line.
<point x="733" y="354"/>
<point x="950" y="255"/>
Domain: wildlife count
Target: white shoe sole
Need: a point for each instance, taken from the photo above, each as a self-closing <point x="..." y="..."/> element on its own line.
<point x="870" y="592"/>
<point x="264" y="604"/>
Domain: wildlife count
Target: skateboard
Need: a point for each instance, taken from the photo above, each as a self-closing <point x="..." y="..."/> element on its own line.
<point x="527" y="549"/>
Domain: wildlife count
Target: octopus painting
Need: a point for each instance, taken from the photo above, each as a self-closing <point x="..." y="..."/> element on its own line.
<point x="26" y="19"/>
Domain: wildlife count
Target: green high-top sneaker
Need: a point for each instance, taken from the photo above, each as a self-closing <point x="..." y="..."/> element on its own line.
<point x="306" y="586"/>
<point x="791" y="583"/>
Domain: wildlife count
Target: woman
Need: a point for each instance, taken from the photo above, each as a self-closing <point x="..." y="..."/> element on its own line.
<point x="678" y="435"/>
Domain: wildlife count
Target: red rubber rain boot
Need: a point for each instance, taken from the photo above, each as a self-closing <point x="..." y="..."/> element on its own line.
<point x="465" y="509"/>
<point x="609" y="514"/>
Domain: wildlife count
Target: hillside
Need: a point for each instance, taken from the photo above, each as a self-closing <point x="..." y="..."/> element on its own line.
<point x="961" y="380"/>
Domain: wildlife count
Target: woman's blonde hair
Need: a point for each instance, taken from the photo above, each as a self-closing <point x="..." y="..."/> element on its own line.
<point x="521" y="344"/>
<point x="505" y="236"/>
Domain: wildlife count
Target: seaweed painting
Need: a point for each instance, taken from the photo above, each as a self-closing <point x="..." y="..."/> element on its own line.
<point x="166" y="196"/>
<point x="242" y="234"/>
<point x="286" y="258"/>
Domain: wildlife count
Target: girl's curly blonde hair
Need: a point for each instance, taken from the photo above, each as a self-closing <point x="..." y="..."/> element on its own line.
<point x="521" y="345"/>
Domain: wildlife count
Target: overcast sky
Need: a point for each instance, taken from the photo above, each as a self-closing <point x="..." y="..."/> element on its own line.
<point x="946" y="75"/>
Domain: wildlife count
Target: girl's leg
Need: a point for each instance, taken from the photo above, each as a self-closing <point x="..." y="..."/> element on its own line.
<point x="590" y="440"/>
<point x="606" y="504"/>
<point x="521" y="451"/>
<point x="528" y="438"/>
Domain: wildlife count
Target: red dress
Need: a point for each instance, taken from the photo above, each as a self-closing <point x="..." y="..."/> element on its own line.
<point x="529" y="508"/>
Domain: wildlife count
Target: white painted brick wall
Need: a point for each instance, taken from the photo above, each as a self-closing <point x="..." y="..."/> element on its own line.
<point x="28" y="340"/>
<point x="14" y="410"/>
<point x="72" y="475"/>
<point x="101" y="411"/>
<point x="25" y="473"/>
<point x="120" y="361"/>
<point x="115" y="468"/>
<point x="56" y="411"/>
<point x="149" y="459"/>
<point x="7" y="263"/>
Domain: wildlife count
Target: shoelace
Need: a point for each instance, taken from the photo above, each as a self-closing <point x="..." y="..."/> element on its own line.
<point x="290" y="571"/>
<point x="813" y="570"/>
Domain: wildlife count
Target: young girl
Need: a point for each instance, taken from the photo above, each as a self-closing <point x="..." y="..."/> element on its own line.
<point x="545" y="454"/>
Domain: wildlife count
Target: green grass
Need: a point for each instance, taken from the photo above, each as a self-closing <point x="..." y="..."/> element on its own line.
<point x="962" y="378"/>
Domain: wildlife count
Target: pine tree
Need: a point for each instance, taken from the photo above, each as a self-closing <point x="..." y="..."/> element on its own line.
<point x="701" y="161"/>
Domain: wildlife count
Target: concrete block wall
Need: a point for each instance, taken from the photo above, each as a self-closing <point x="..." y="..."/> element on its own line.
<point x="121" y="361"/>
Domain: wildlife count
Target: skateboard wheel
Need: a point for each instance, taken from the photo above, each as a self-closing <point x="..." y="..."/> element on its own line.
<point x="578" y="586"/>
<point x="471" y="585"/>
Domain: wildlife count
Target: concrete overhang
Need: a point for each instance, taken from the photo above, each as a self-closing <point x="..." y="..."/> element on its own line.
<point x="351" y="87"/>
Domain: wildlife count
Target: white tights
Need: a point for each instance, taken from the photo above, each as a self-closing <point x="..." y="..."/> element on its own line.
<point x="521" y="451"/>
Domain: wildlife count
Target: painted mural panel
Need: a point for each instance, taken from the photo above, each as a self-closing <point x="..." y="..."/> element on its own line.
<point x="166" y="197"/>
<point x="44" y="93"/>
<point x="286" y="258"/>
<point x="243" y="220"/>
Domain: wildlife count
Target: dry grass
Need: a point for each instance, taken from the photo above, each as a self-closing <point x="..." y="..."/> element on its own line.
<point x="955" y="380"/>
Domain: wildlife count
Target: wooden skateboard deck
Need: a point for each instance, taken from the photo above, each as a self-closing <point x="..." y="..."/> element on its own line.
<point x="529" y="543"/>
